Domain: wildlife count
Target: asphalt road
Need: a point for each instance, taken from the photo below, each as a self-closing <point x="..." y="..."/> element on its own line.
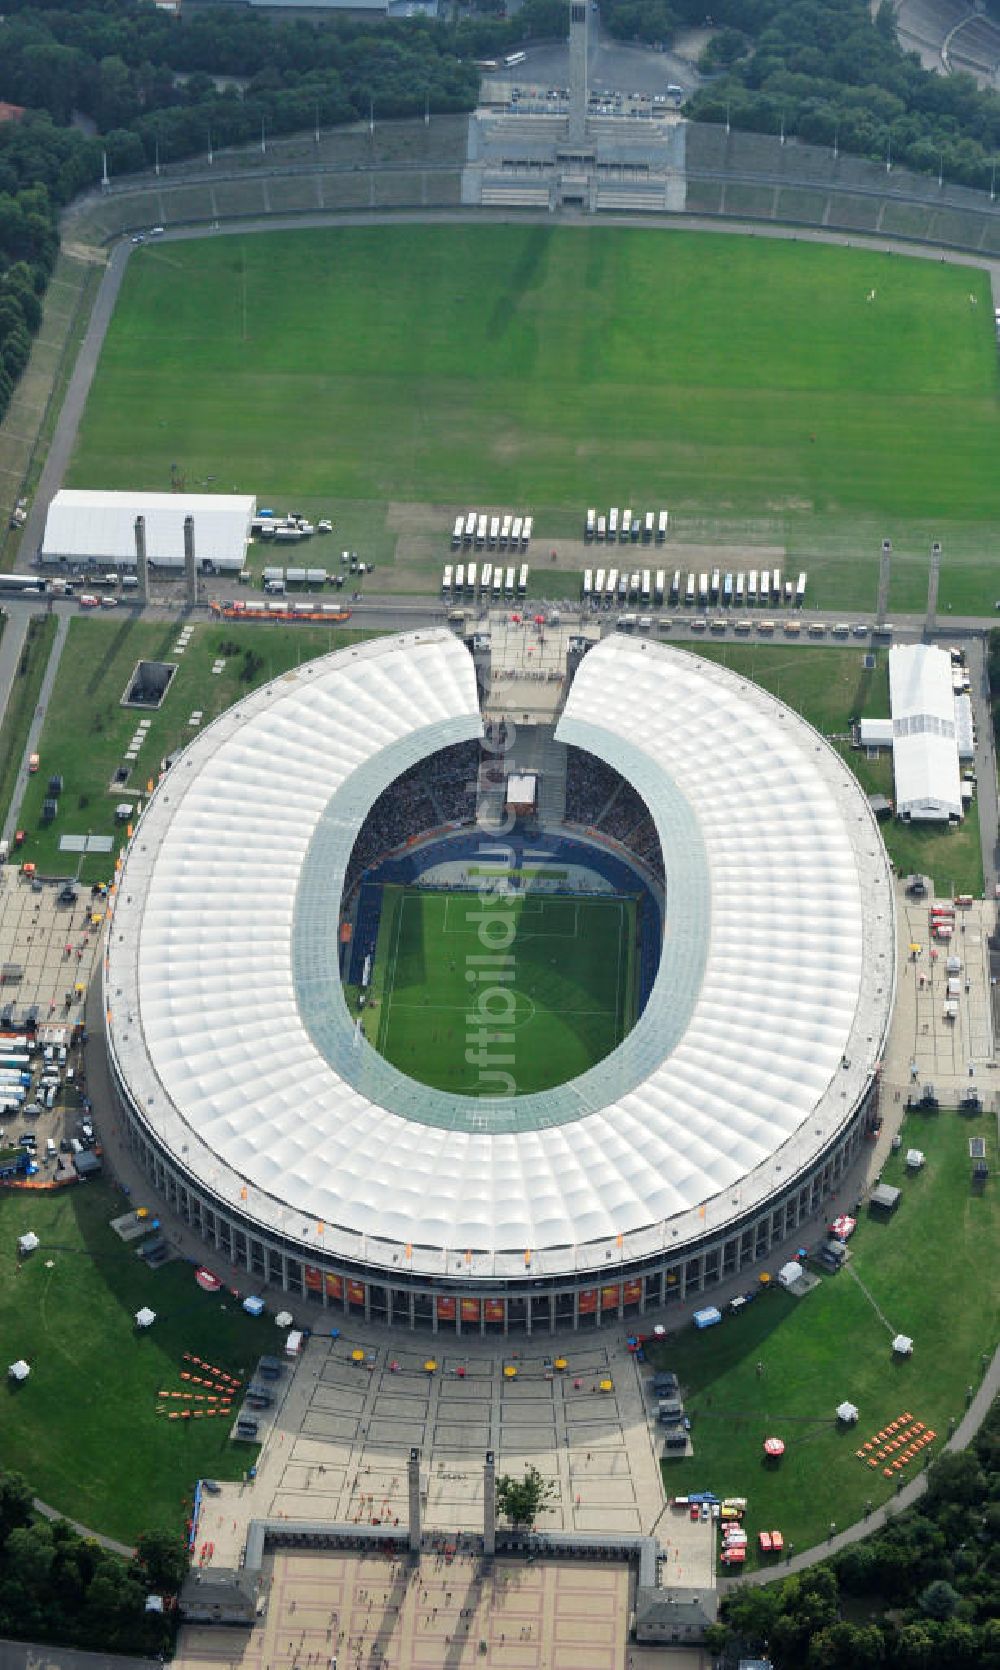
<point x="23" y="1655"/>
<point x="68" y="422"/>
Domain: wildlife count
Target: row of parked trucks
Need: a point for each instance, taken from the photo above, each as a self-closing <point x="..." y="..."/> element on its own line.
<point x="485" y="580"/>
<point x="626" y="529"/>
<point x="480" y="531"/>
<point x="761" y="588"/>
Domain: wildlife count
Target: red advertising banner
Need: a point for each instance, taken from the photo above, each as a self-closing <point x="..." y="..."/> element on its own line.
<point x="469" y="1310"/>
<point x="588" y="1300"/>
<point x="334" y="1287"/>
<point x="446" y="1310"/>
<point x="314" y="1280"/>
<point x="633" y="1292"/>
<point x="609" y="1298"/>
<point x="356" y="1292"/>
<point x="494" y="1310"/>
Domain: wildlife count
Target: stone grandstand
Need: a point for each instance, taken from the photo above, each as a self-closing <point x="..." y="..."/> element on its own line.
<point x="504" y="163"/>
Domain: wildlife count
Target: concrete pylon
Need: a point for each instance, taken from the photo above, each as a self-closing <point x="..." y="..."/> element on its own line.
<point x="141" y="562"/>
<point x="190" y="571"/>
<point x="413" y="1480"/>
<point x="578" y="71"/>
<point x="489" y="1506"/>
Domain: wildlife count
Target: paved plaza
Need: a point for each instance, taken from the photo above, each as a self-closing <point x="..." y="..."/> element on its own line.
<point x="372" y="1611"/>
<point x="48" y="950"/>
<point x="338" y="1447"/>
<point x="925" y="1047"/>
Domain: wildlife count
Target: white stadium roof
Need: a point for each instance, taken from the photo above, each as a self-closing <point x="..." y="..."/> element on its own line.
<point x="924" y="743"/>
<point x="768" y="1015"/>
<point x="99" y="527"/>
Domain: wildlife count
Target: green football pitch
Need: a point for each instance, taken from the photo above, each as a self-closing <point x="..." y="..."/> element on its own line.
<point x="566" y="1000"/>
<point x="770" y="392"/>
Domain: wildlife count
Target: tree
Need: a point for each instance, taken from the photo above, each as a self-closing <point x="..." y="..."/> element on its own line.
<point x="15" y="1504"/>
<point x="522" y="1500"/>
<point x="939" y="1600"/>
<point x="161" y="1561"/>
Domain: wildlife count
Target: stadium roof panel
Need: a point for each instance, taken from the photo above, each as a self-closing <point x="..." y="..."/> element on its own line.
<point x="766" y="1021"/>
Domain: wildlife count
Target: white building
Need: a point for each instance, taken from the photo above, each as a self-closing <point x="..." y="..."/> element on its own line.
<point x="924" y="744"/>
<point x="97" y="529"/>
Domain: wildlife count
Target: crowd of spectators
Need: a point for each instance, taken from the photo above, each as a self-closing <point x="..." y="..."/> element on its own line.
<point x="599" y="798"/>
<point x="437" y="791"/>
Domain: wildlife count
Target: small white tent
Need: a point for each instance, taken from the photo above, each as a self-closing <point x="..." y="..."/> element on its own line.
<point x="28" y="1243"/>
<point x="848" y="1413"/>
<point x="902" y="1345"/>
<point x="19" y="1370"/>
<point x="145" y="1317"/>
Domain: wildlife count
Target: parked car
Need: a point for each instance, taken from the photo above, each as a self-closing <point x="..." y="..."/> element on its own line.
<point x="665" y="1383"/>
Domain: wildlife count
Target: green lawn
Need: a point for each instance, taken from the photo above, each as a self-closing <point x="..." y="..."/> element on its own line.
<point x="930" y="1271"/>
<point x="83" y="1429"/>
<point x="16" y="720"/>
<point x="87" y="729"/>
<point x="389" y="375"/>
<point x="572" y="995"/>
<point x="828" y="686"/>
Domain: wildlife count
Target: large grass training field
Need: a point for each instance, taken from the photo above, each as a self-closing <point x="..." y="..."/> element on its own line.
<point x="572" y="992"/>
<point x="768" y="392"/>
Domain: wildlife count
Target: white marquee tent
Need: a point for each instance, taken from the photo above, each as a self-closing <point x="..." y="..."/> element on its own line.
<point x="924" y="746"/>
<point x="97" y="528"/>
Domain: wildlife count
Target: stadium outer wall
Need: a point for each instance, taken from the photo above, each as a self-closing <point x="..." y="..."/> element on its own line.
<point x="448" y="1304"/>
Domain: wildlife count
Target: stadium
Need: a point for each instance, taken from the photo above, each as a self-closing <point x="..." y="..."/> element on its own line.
<point x="709" y="1111"/>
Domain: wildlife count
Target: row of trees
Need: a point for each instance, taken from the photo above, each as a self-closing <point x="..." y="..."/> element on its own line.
<point x="825" y="70"/>
<point x="929" y="1582"/>
<point x="29" y="243"/>
<point x="58" y="1586"/>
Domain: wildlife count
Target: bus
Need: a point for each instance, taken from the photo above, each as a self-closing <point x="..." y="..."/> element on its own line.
<point x="661" y="527"/>
<point x="626" y="528"/>
<point x="456" y="532"/>
<point x="486" y="578"/>
<point x="494" y="534"/>
<point x="599" y="585"/>
<point x="675" y="587"/>
<point x="800" y="591"/>
<point x="469" y="533"/>
<point x="752" y="587"/>
<point x="29" y="584"/>
<point x="689" y="593"/>
<point x="591" y="527"/>
<point x="727" y="589"/>
<point x="602" y="528"/>
<point x="658" y="585"/>
<point x="647" y="532"/>
<point x="505" y="532"/>
<point x="514" y="58"/>
<point x="522" y="581"/>
<point x="460" y="577"/>
<point x="765" y="587"/>
<point x="470" y="578"/>
<point x="613" y="522"/>
<point x="714" y="588"/>
<point x="703" y="590"/>
<point x="447" y="579"/>
<point x="508" y="583"/>
<point x="612" y="585"/>
<point x="588" y="584"/>
<point x="740" y="587"/>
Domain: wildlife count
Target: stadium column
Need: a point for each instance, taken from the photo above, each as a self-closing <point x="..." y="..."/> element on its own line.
<point x="190" y="568"/>
<point x="489" y="1506"/>
<point x="413" y="1482"/>
<point x="577" y="72"/>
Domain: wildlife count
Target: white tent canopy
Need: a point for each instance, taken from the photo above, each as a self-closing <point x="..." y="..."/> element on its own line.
<point x="902" y="1345"/>
<point x="847" y="1412"/>
<point x="924" y="746"/>
<point x="99" y="527"/>
<point x="145" y="1317"/>
<point x="284" y="1319"/>
<point x="28" y="1243"/>
<point x="19" y="1370"/>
